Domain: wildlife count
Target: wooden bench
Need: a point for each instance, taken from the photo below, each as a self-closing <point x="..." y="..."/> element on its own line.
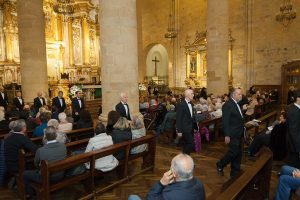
<point x="45" y="188"/>
<point x="216" y="122"/>
<point x="253" y="183"/>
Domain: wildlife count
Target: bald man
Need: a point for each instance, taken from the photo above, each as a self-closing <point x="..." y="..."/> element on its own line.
<point x="178" y="183"/>
<point x="38" y="102"/>
<point x="122" y="107"/>
<point x="185" y="121"/>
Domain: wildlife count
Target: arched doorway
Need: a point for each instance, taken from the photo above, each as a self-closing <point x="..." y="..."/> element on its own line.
<point x="157" y="64"/>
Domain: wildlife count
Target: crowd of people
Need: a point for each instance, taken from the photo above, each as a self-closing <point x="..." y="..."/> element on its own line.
<point x="183" y="112"/>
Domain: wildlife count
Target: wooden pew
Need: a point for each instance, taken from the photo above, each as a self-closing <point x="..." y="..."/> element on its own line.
<point x="213" y="121"/>
<point x="253" y="183"/>
<point x="45" y="188"/>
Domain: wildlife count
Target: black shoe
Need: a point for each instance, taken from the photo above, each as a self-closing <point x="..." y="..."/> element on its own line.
<point x="220" y="169"/>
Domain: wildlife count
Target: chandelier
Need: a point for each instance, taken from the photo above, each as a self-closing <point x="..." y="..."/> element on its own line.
<point x="286" y="14"/>
<point x="171" y="32"/>
<point x="63" y="7"/>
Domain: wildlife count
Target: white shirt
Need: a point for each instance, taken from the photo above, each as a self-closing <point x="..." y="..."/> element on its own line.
<point x="79" y="101"/>
<point x="126" y="107"/>
<point x="51" y="141"/>
<point x="298" y="106"/>
<point x="238" y="107"/>
<point x="2" y="94"/>
<point x="60" y="101"/>
<point x="20" y="100"/>
<point x="190" y="107"/>
<point x="41" y="100"/>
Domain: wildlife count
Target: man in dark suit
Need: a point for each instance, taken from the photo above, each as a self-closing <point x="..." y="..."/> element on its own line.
<point x="59" y="103"/>
<point x="293" y="124"/>
<point x="18" y="101"/>
<point x="77" y="105"/>
<point x="233" y="127"/>
<point x="3" y="98"/>
<point x="38" y="102"/>
<point x="52" y="151"/>
<point x="177" y="183"/>
<point x="185" y="121"/>
<point x="122" y="107"/>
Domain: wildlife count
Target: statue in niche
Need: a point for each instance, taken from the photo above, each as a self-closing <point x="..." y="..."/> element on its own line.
<point x="193" y="65"/>
<point x="77" y="46"/>
<point x="9" y="76"/>
<point x="92" y="48"/>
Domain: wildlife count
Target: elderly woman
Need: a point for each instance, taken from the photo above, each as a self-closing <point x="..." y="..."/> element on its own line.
<point x="100" y="141"/>
<point x="60" y="136"/>
<point x="138" y="130"/>
<point x="251" y="106"/>
<point x="3" y="122"/>
<point x="64" y="125"/>
<point x="121" y="133"/>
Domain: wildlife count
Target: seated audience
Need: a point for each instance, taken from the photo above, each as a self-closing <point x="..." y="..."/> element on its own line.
<point x="52" y="151"/>
<point x="69" y="115"/>
<point x="99" y="141"/>
<point x="251" y="106"/>
<point x="44" y="118"/>
<point x="178" y="183"/>
<point x="61" y="136"/>
<point x="30" y="122"/>
<point x="138" y="130"/>
<point x="121" y="133"/>
<point x="14" y="142"/>
<point x="168" y="122"/>
<point x="64" y="125"/>
<point x="275" y="133"/>
<point x="112" y="118"/>
<point x="289" y="181"/>
<point x="85" y="120"/>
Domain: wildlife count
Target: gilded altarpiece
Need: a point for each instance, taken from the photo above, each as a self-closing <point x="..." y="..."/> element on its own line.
<point x="196" y="61"/>
<point x="72" y="45"/>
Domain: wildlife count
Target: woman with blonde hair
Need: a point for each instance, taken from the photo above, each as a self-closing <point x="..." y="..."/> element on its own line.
<point x="64" y="125"/>
<point x="138" y="130"/>
<point x="121" y="133"/>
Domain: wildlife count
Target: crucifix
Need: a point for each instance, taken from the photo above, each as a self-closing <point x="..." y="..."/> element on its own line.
<point x="155" y="62"/>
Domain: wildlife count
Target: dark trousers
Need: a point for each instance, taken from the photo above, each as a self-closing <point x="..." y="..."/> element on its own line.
<point x="233" y="156"/>
<point x="188" y="145"/>
<point x="28" y="177"/>
<point x="259" y="141"/>
<point x="294" y="160"/>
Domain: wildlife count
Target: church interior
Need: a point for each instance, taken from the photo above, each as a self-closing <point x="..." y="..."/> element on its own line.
<point x="149" y="52"/>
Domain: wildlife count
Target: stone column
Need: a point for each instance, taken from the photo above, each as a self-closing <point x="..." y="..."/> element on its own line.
<point x="119" y="53"/>
<point x="32" y="44"/>
<point x="217" y="46"/>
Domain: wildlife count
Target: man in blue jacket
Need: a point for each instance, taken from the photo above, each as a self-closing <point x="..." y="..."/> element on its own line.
<point x="178" y="183"/>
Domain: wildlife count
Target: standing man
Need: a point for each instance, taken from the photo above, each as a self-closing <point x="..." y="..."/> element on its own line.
<point x="59" y="102"/>
<point x="3" y="98"/>
<point x="38" y="102"/>
<point x="77" y="105"/>
<point x="293" y="124"/>
<point x="122" y="107"/>
<point x="18" y="101"/>
<point x="185" y="121"/>
<point x="233" y="127"/>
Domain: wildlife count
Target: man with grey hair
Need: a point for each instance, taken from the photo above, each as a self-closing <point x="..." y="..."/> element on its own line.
<point x="178" y="183"/>
<point x="233" y="128"/>
<point x="122" y="107"/>
<point x="14" y="142"/>
<point x="38" y="102"/>
<point x="52" y="151"/>
<point x="3" y="98"/>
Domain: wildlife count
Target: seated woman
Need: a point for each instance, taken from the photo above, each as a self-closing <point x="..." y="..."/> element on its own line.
<point x="289" y="181"/>
<point x="61" y="137"/>
<point x="44" y="118"/>
<point x="251" y="107"/>
<point x="276" y="132"/>
<point x="112" y="118"/>
<point x="64" y="125"/>
<point x="85" y="120"/>
<point x="99" y="141"/>
<point x="138" y="130"/>
<point x="3" y="121"/>
<point x="120" y="134"/>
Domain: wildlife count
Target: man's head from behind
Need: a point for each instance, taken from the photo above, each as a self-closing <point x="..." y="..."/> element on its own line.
<point x="19" y="126"/>
<point x="182" y="166"/>
<point x="50" y="133"/>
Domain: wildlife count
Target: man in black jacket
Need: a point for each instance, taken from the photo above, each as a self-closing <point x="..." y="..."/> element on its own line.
<point x="59" y="103"/>
<point x="77" y="105"/>
<point x="293" y="124"/>
<point x="233" y="127"/>
<point x="185" y="121"/>
<point x="38" y="102"/>
<point x="3" y="98"/>
<point x="18" y="101"/>
<point x="178" y="183"/>
<point x="122" y="107"/>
